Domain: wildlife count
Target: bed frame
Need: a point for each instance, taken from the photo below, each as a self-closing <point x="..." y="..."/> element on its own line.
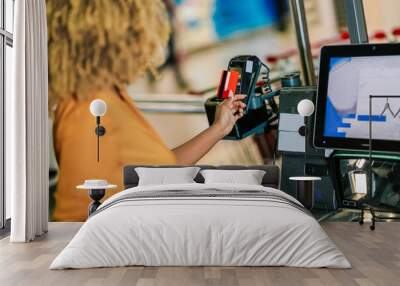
<point x="270" y="179"/>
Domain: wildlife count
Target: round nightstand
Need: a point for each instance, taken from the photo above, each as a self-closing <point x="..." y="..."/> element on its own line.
<point x="305" y="190"/>
<point x="97" y="190"/>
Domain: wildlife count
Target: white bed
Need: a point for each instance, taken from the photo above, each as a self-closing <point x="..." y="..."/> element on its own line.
<point x="203" y="225"/>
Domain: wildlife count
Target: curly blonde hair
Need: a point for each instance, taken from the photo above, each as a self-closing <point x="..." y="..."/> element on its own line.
<point x="95" y="44"/>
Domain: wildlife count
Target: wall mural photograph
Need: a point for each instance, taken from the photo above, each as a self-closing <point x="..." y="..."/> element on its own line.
<point x="199" y="142"/>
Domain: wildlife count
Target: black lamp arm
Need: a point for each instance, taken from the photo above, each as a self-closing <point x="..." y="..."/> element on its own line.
<point x="100" y="131"/>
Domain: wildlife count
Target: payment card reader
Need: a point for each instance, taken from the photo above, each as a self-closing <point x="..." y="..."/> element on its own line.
<point x="245" y="75"/>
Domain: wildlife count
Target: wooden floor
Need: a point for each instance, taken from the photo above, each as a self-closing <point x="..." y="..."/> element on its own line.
<point x="375" y="257"/>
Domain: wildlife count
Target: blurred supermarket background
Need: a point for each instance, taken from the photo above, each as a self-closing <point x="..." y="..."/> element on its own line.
<point x="208" y="33"/>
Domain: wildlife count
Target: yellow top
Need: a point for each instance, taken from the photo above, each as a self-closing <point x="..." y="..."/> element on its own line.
<point x="129" y="139"/>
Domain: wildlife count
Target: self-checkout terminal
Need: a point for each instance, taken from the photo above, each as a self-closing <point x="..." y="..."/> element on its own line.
<point x="264" y="107"/>
<point x="357" y="112"/>
<point x="357" y="102"/>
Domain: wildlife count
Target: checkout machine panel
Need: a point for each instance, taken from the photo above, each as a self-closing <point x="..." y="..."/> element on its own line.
<point x="292" y="146"/>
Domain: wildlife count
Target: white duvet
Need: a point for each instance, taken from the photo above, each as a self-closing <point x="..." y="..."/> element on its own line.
<point x="202" y="231"/>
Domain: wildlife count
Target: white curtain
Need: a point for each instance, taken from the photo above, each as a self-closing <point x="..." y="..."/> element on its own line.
<point x="27" y="145"/>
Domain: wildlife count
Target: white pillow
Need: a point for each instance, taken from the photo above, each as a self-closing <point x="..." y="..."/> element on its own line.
<point x="164" y="176"/>
<point x="248" y="177"/>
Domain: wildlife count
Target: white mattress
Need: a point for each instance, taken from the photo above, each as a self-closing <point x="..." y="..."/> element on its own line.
<point x="202" y="231"/>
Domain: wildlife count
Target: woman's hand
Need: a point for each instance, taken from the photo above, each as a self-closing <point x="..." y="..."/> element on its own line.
<point x="228" y="113"/>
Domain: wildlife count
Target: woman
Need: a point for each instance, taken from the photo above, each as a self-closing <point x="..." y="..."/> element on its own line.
<point x="95" y="49"/>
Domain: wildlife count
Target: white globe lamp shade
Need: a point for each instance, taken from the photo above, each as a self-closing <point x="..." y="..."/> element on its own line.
<point x="98" y="107"/>
<point x="305" y="107"/>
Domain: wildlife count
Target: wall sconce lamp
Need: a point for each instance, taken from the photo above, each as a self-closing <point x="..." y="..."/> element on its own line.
<point x="305" y="108"/>
<point x="98" y="109"/>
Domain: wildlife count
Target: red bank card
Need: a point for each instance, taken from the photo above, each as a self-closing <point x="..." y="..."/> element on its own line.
<point x="227" y="84"/>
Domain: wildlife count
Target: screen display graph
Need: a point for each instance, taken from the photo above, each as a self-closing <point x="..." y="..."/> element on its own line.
<point x="351" y="81"/>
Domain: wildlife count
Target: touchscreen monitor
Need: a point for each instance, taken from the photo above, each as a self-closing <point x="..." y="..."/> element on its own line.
<point x="359" y="88"/>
